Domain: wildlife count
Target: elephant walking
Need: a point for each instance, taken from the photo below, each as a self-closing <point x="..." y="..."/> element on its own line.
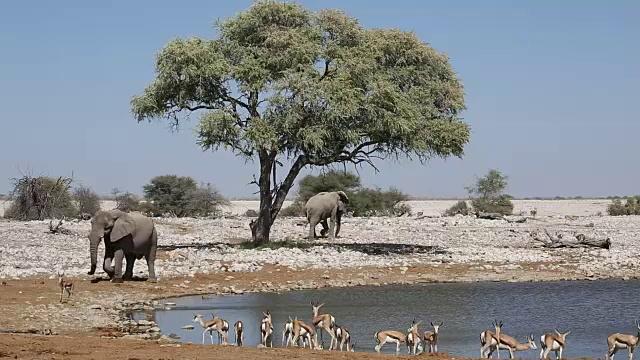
<point x="322" y="206"/>
<point x="127" y="236"/>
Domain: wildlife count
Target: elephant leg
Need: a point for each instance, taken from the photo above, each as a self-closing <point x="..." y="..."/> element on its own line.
<point x="118" y="257"/>
<point x="312" y="228"/>
<point x="106" y="266"/>
<point x="332" y="228"/>
<point x="325" y="228"/>
<point x="128" y="273"/>
<point x="151" y="257"/>
<point x="338" y="220"/>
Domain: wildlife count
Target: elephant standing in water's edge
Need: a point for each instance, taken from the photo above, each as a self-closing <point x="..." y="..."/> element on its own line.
<point x="322" y="206"/>
<point x="126" y="235"/>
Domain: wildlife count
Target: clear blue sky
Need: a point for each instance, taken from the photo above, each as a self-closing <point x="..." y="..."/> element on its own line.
<point x="551" y="92"/>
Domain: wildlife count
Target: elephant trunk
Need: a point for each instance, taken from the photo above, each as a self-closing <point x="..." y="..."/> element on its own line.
<point x="94" y="240"/>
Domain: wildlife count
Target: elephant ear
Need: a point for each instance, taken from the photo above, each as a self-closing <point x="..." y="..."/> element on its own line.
<point x="122" y="227"/>
<point x="343" y="196"/>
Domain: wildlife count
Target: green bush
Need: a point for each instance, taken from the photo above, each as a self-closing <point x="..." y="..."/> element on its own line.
<point x="489" y="194"/>
<point x="181" y="196"/>
<point x="332" y="180"/>
<point x="87" y="201"/>
<point x="294" y="210"/>
<point x="126" y="201"/>
<point x="500" y="205"/>
<point x="378" y="202"/>
<point x="460" y="207"/>
<point x="362" y="201"/>
<point x="171" y="194"/>
<point x="205" y="201"/>
<point x="39" y="198"/>
<point x="631" y="206"/>
<point x="251" y="213"/>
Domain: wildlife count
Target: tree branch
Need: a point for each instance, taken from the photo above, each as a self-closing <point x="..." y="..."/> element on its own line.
<point x="285" y="186"/>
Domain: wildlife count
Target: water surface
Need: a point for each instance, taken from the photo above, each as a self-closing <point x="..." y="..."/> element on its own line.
<point x="590" y="310"/>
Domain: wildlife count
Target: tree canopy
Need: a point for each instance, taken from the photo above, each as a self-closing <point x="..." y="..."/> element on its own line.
<point x="314" y="88"/>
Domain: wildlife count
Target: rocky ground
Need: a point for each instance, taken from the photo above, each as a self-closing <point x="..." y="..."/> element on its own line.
<point x="206" y="256"/>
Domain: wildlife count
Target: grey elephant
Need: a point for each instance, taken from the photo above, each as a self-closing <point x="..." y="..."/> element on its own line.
<point x="322" y="206"/>
<point x="127" y="236"/>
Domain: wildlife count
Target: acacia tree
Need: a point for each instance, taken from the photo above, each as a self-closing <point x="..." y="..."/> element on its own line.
<point x="313" y="88"/>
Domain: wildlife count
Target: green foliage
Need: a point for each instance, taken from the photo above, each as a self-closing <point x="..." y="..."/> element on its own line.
<point x="460" y="207"/>
<point x="205" y="201"/>
<point x="294" y="210"/>
<point x="181" y="196"/>
<point x="170" y="193"/>
<point x="251" y="213"/>
<point x="362" y="201"/>
<point x="332" y="180"/>
<point x="500" y="205"/>
<point x="315" y="88"/>
<point x="378" y="202"/>
<point x="127" y="201"/>
<point x="490" y="196"/>
<point x="87" y="201"/>
<point x="39" y="198"/>
<point x="631" y="206"/>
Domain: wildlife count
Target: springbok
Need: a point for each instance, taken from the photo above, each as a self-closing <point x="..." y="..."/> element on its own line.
<point x="553" y="342"/>
<point x="511" y="344"/>
<point x="324" y="322"/>
<point x="384" y="336"/>
<point x="302" y="330"/>
<point x="239" y="332"/>
<point x="65" y="285"/>
<point x="343" y="336"/>
<point x="431" y="338"/>
<point x="217" y="324"/>
<point x="413" y="338"/>
<point x="490" y="340"/>
<point x="619" y="341"/>
<point x="266" y="330"/>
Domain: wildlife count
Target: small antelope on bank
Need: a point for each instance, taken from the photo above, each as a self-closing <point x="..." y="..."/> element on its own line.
<point x="553" y="342"/>
<point x="413" y="338"/>
<point x="324" y="322"/>
<point x="65" y="285"/>
<point x="266" y="330"/>
<point x="489" y="340"/>
<point x="512" y="345"/>
<point x="343" y="336"/>
<point x="303" y="331"/>
<point x="238" y="330"/>
<point x="393" y="336"/>
<point x="619" y="341"/>
<point x="431" y="338"/>
<point x="216" y="324"/>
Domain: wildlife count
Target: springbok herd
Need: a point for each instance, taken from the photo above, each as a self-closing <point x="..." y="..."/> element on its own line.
<point x="298" y="333"/>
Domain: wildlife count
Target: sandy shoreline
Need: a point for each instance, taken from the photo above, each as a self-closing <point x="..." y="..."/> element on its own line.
<point x="199" y="257"/>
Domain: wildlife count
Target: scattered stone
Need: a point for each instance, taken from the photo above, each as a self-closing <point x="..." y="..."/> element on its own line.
<point x="188" y="327"/>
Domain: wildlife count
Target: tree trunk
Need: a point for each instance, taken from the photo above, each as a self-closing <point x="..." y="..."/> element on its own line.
<point x="261" y="227"/>
<point x="286" y="185"/>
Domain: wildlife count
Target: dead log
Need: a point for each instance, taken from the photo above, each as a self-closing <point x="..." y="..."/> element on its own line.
<point x="489" y="216"/>
<point x="578" y="241"/>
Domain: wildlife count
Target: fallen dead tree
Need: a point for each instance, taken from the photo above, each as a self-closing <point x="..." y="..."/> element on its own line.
<point x="558" y="240"/>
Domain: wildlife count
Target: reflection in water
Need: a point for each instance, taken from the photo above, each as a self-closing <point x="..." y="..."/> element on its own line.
<point x="590" y="310"/>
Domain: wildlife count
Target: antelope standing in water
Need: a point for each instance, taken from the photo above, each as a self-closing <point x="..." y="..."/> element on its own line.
<point x="413" y="338"/>
<point x="343" y="336"/>
<point x="216" y="324"/>
<point x="239" y="332"/>
<point x="553" y="342"/>
<point x="490" y="340"/>
<point x="512" y="345"/>
<point x="431" y="338"/>
<point x="324" y="322"/>
<point x="266" y="330"/>
<point x="393" y="336"/>
<point x="619" y="341"/>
